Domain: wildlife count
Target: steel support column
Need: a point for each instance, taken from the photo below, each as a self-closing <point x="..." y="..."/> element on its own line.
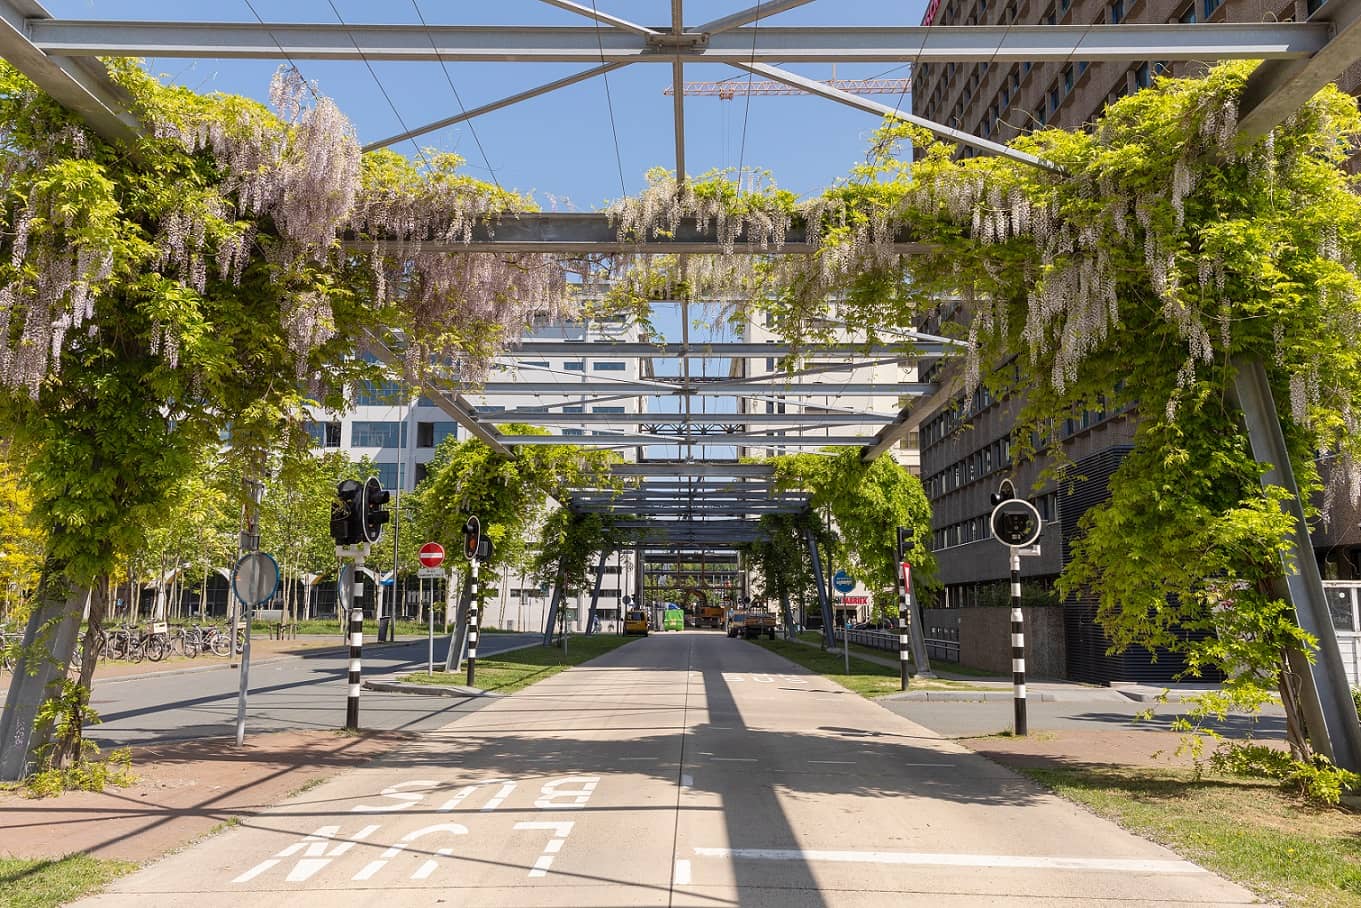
<point x="595" y="591"/>
<point x="1324" y="695"/>
<point x="823" y="601"/>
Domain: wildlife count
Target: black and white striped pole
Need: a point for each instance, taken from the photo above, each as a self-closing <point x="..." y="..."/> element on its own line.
<point x="477" y="548"/>
<point x="904" y="591"/>
<point x="1016" y="524"/>
<point x="356" y="609"/>
<point x="1017" y="643"/>
<point x="472" y="627"/>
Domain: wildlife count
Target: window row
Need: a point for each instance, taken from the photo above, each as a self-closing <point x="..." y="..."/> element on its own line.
<point x="986" y="460"/>
<point x="365" y="434"/>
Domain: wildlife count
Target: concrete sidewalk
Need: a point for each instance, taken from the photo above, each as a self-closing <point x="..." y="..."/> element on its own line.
<point x="680" y="770"/>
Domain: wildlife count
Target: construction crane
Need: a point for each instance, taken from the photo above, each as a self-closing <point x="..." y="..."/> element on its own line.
<point x="731" y="88"/>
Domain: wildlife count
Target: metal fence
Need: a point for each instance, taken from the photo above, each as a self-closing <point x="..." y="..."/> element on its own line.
<point x="944" y="650"/>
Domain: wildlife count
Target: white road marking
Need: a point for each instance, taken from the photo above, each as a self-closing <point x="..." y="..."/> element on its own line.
<point x="682" y="876"/>
<point x="550" y="797"/>
<point x="737" y="759"/>
<point x="917" y="858"/>
<point x="560" y="833"/>
<point x="404" y="799"/>
<point x="314" y="849"/>
<point x="500" y="796"/>
<point x="638" y="759"/>
<point x="835" y="762"/>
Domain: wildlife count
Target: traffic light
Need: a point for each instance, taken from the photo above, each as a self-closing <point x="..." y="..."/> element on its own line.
<point x="472" y="538"/>
<point x="374" y="514"/>
<point x="345" y="513"/>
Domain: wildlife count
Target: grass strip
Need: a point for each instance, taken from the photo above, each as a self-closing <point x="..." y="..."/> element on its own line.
<point x="948" y="668"/>
<point x="868" y="679"/>
<point x="42" y="883"/>
<point x="516" y="670"/>
<point x="1247" y="830"/>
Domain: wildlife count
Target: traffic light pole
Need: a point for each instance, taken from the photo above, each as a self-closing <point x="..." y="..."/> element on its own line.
<point x="474" y="620"/>
<point x="1017" y="643"/>
<point x="349" y="585"/>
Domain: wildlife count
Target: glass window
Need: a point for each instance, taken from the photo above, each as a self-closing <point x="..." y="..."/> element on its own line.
<point x="1141" y="76"/>
<point x="388" y="474"/>
<point x="1067" y="79"/>
<point x="1188" y="15"/>
<point x="574" y="408"/>
<point x="387" y="393"/>
<point x="609" y="367"/>
<point x="324" y="434"/>
<point x="1209" y="6"/>
<point x="577" y="366"/>
<point x="377" y="434"/>
<point x="430" y="434"/>
<point x="490" y="408"/>
<point x="1117" y="11"/>
<point x="539" y="363"/>
<point x="608" y="410"/>
<point x="1054" y="98"/>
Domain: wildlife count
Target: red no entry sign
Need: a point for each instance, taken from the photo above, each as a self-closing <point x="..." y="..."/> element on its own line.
<point x="432" y="554"/>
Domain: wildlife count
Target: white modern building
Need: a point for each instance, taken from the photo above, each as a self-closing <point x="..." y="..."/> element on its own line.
<point x="399" y="431"/>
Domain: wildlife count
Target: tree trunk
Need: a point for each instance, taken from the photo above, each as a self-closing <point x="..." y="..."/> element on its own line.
<point x="1296" y="732"/>
<point x="49" y="641"/>
<point x="99" y="606"/>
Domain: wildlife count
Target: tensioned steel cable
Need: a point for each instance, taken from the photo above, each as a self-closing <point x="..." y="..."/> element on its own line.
<point x="415" y="4"/>
<point x="746" y="110"/>
<point x="285" y="53"/>
<point x="609" y="102"/>
<point x="379" y="82"/>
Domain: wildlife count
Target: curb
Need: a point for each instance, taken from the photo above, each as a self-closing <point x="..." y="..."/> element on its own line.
<point x="958" y="696"/>
<point x="393" y="686"/>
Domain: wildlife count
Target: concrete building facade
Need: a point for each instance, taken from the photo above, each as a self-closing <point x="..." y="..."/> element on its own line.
<point x="966" y="447"/>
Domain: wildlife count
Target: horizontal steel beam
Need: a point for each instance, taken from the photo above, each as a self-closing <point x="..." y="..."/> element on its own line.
<point x="659" y="388"/>
<point x="747" y="439"/>
<point x="756" y="44"/>
<point x="726" y="350"/>
<point x="574" y="232"/>
<point x="683" y="499"/>
<point x="699" y="468"/>
<point x="793" y="420"/>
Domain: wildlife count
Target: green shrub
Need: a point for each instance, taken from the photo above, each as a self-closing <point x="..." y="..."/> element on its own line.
<point x="85" y="774"/>
<point x="1317" y="781"/>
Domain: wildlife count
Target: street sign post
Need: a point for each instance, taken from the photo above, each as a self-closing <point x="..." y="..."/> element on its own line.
<point x="432" y="557"/>
<point x="1016" y="524"/>
<point x="842" y="582"/>
<point x="255" y="580"/>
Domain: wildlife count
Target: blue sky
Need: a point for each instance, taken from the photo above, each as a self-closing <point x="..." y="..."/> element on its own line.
<point x="559" y="146"/>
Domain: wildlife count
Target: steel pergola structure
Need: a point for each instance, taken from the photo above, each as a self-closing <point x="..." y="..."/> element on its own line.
<point x="62" y="57"/>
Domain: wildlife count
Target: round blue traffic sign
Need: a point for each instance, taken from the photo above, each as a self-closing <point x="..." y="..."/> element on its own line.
<point x="842" y="582"/>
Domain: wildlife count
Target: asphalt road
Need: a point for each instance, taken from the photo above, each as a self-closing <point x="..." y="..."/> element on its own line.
<point x="685" y="769"/>
<point x="297" y="692"/>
